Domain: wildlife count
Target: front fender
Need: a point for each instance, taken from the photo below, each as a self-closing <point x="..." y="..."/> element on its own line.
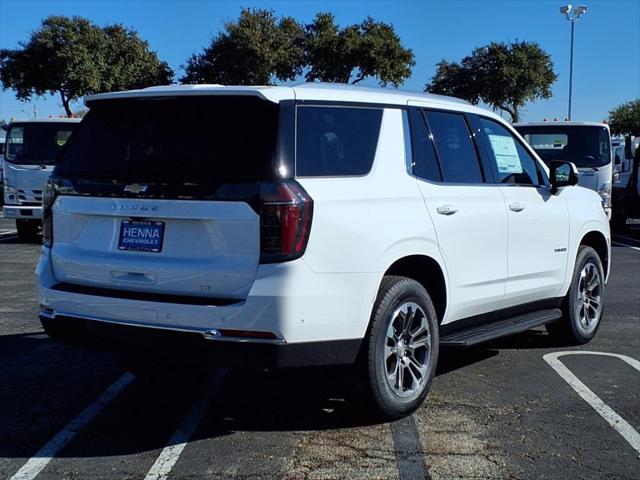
<point x="577" y="237"/>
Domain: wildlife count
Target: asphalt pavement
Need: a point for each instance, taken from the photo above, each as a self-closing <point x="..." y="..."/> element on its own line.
<point x="499" y="411"/>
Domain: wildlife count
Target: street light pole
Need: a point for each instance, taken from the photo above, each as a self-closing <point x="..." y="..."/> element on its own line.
<point x="572" y="14"/>
<point x="573" y="27"/>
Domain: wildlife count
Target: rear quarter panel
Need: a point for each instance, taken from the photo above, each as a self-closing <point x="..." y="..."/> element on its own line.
<point x="364" y="224"/>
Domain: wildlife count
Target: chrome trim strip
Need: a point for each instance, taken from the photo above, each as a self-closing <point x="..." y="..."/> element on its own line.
<point x="205" y="333"/>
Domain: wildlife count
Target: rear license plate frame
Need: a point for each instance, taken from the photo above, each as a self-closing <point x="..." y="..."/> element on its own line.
<point x="145" y="242"/>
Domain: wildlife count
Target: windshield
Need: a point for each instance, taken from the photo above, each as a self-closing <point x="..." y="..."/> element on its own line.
<point x="36" y="143"/>
<point x="174" y="141"/>
<point x="586" y="146"/>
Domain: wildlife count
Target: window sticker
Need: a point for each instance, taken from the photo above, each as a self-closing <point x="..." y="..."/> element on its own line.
<point x="504" y="148"/>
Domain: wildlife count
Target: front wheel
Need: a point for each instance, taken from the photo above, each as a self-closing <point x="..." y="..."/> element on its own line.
<point x="401" y="350"/>
<point x="584" y="303"/>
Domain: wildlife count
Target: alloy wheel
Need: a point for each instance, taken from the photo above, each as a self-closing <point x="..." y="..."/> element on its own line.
<point x="407" y="350"/>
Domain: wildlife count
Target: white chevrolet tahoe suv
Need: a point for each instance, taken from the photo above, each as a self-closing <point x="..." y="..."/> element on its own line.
<point x="313" y="225"/>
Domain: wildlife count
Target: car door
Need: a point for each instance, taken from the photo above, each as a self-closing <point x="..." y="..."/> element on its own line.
<point x="468" y="213"/>
<point x="538" y="221"/>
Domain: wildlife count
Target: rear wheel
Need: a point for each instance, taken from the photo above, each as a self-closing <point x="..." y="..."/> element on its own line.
<point x="27" y="230"/>
<point x="401" y="349"/>
<point x="584" y="303"/>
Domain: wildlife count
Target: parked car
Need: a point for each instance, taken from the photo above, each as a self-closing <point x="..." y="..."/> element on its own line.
<point x="626" y="181"/>
<point x="313" y="225"/>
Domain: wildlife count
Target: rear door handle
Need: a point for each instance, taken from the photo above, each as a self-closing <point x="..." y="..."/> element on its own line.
<point x="446" y="209"/>
<point x="516" y="207"/>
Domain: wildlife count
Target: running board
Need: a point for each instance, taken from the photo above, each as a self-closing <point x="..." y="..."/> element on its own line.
<point x="502" y="328"/>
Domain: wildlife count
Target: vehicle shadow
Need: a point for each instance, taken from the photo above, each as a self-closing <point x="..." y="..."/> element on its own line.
<point x="531" y="339"/>
<point x="44" y="394"/>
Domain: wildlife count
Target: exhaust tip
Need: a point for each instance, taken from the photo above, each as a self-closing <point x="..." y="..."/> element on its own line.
<point x="212" y="334"/>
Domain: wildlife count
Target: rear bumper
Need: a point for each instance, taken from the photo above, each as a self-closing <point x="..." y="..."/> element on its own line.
<point x="315" y="319"/>
<point x="21" y="212"/>
<point x="180" y="345"/>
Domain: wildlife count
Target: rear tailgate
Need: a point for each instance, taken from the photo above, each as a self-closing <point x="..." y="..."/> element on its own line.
<point x="197" y="248"/>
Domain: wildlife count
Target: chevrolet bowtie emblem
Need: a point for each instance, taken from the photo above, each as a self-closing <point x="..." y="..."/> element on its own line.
<point x="136" y="188"/>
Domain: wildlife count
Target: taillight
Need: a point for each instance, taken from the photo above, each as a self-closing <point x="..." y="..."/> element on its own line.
<point x="285" y="221"/>
<point x="49" y="196"/>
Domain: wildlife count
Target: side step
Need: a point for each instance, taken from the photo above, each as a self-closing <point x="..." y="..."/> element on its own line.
<point x="502" y="328"/>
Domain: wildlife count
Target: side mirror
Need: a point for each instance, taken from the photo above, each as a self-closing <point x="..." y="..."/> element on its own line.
<point x="562" y="174"/>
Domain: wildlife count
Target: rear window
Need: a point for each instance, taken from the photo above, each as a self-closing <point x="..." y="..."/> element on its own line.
<point x="425" y="163"/>
<point x="336" y="141"/>
<point x="174" y="141"/>
<point x="458" y="158"/>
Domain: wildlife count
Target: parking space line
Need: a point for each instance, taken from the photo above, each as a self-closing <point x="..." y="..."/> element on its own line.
<point x="40" y="460"/>
<point x="629" y="433"/>
<point x="171" y="453"/>
<point x="407" y="447"/>
<point x="625" y="245"/>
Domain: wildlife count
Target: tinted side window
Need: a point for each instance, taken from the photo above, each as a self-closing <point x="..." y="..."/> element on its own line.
<point x="457" y="154"/>
<point x="425" y="162"/>
<point x="333" y="141"/>
<point x="15" y="142"/>
<point x="513" y="163"/>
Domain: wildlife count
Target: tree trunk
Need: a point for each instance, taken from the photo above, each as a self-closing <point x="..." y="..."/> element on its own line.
<point x="512" y="111"/>
<point x="515" y="115"/>
<point x="65" y="104"/>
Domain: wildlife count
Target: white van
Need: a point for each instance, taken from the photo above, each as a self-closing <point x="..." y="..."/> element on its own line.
<point x="313" y="225"/>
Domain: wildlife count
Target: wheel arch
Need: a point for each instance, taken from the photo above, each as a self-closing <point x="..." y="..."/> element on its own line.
<point x="429" y="273"/>
<point x="596" y="240"/>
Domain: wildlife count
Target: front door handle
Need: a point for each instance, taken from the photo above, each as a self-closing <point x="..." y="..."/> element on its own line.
<point x="516" y="207"/>
<point x="446" y="209"/>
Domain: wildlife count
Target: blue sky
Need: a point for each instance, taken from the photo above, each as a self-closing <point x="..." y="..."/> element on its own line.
<point x="606" y="68"/>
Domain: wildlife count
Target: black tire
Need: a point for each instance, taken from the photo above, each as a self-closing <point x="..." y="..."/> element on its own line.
<point x="396" y="293"/>
<point x="27" y="230"/>
<point x="570" y="329"/>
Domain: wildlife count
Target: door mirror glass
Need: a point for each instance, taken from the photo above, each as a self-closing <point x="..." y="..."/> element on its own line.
<point x="563" y="174"/>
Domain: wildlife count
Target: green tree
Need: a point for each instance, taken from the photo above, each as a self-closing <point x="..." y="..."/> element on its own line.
<point x="355" y="52"/>
<point x="72" y="57"/>
<point x="625" y="119"/>
<point x="257" y="49"/>
<point x="260" y="49"/>
<point x="505" y="76"/>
